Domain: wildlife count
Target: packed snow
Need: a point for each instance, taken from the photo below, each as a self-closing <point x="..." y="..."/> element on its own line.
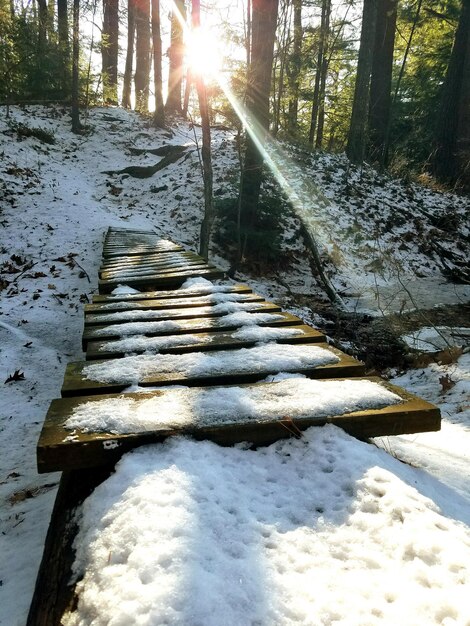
<point x="294" y="397"/>
<point x="268" y="357"/>
<point x="55" y="207"/>
<point x="321" y="530"/>
<point x="436" y="338"/>
<point x="212" y="299"/>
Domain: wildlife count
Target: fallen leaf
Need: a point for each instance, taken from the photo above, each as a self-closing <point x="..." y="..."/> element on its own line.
<point x="446" y="383"/>
<point x="17" y="375"/>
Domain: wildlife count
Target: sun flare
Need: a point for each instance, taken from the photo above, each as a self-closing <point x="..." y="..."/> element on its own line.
<point x="204" y="54"/>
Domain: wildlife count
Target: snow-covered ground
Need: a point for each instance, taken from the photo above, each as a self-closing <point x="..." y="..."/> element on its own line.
<point x="332" y="531"/>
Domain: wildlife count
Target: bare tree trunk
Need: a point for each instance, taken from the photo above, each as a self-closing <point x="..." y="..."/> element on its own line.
<point x="127" y="83"/>
<point x="209" y="213"/>
<point x="142" y="69"/>
<point x="187" y="92"/>
<point x="357" y="137"/>
<point x="264" y="20"/>
<point x="159" y="115"/>
<point x="64" y="46"/>
<point x="175" y="76"/>
<point x="453" y="118"/>
<point x="281" y="56"/>
<point x="76" y="126"/>
<point x="295" y="64"/>
<point x="323" y="74"/>
<point x="316" y="89"/>
<point x="42" y="24"/>
<point x="381" y="79"/>
<point x="110" y="50"/>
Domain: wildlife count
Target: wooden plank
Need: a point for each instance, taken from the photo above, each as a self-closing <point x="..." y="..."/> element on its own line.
<point x="159" y="314"/>
<point x="159" y="257"/>
<point x="183" y="326"/>
<point x="162" y="280"/>
<point x="211" y="341"/>
<point x="170" y="303"/>
<point x="76" y="384"/>
<point x="118" y="251"/>
<point x="173" y="293"/>
<point x="153" y="270"/>
<point x="94" y="313"/>
<point x="54" y="592"/>
<point x="57" y="450"/>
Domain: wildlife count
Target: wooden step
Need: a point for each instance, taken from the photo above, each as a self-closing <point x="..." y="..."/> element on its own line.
<point x="77" y="383"/>
<point x="197" y="291"/>
<point x="160" y="257"/>
<point x="154" y="270"/>
<point x="166" y="281"/>
<point x="208" y="341"/>
<point x="60" y="449"/>
<point x="180" y="326"/>
<point x="169" y="313"/>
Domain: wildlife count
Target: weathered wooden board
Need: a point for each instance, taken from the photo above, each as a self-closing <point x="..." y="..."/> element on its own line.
<point x="211" y="341"/>
<point x="170" y="303"/>
<point x="157" y="313"/>
<point x="199" y="325"/>
<point x="113" y="251"/>
<point x="126" y="264"/>
<point x="57" y="450"/>
<point x="159" y="257"/>
<point x="76" y="384"/>
<point x="54" y="592"/>
<point x="196" y="291"/>
<point x="165" y="281"/>
<point x="154" y="270"/>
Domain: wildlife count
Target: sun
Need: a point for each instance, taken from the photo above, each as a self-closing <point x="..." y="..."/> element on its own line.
<point x="203" y="53"/>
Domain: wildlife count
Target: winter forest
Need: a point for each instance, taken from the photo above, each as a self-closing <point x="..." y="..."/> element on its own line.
<point x="303" y="168"/>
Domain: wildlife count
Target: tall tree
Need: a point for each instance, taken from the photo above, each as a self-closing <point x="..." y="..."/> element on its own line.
<point x="357" y="136"/>
<point x="294" y="67"/>
<point x="263" y="30"/>
<point x="127" y="81"/>
<point x="323" y="74"/>
<point x="110" y="50"/>
<point x="159" y="114"/>
<point x="142" y="54"/>
<point x="42" y="24"/>
<point x="452" y="154"/>
<point x="175" y="53"/>
<point x="321" y="56"/>
<point x="206" y="152"/>
<point x="381" y="79"/>
<point x="64" y="47"/>
<point x="76" y="126"/>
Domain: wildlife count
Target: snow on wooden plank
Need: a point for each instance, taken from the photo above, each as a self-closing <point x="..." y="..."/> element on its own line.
<point x="199" y="289"/>
<point x="159" y="257"/>
<point x="61" y="448"/>
<point x="183" y="326"/>
<point x="154" y="270"/>
<point x="208" y="368"/>
<point x="164" y="313"/>
<point x="174" y="344"/>
<point x="161" y="280"/>
<point x="174" y="303"/>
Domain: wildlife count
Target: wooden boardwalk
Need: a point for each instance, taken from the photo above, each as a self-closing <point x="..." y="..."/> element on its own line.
<point x="204" y="337"/>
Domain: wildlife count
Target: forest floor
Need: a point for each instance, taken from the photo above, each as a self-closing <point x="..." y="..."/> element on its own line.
<point x="396" y="251"/>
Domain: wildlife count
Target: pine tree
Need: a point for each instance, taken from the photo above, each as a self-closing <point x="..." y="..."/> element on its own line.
<point x="175" y="76"/>
<point x="109" y="50"/>
<point x="159" y="115"/>
<point x="127" y="81"/>
<point x="142" y="53"/>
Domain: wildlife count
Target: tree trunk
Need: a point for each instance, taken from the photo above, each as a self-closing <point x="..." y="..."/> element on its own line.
<point x="323" y="74"/>
<point x="159" y="115"/>
<point x="358" y="127"/>
<point x="316" y="89"/>
<point x="209" y="212"/>
<point x="64" y="46"/>
<point x="42" y="25"/>
<point x="295" y="63"/>
<point x="264" y="18"/>
<point x="127" y="82"/>
<point x="110" y="50"/>
<point x="142" y="48"/>
<point x="381" y="79"/>
<point x="176" y="51"/>
<point x="453" y="126"/>
<point x="76" y="126"/>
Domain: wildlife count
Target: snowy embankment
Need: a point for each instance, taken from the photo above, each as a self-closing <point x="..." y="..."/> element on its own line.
<point x="318" y="530"/>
